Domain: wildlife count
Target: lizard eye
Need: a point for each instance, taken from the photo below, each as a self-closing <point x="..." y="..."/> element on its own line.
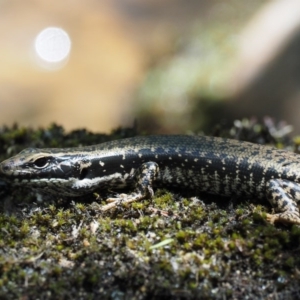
<point x="42" y="162"/>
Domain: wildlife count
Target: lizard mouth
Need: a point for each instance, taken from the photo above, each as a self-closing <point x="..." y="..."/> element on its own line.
<point x="5" y="167"/>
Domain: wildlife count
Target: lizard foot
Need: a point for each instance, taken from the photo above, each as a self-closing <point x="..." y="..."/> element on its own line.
<point x="285" y="218"/>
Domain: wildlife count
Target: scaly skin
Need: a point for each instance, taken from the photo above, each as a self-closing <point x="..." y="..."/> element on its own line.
<point x="213" y="165"/>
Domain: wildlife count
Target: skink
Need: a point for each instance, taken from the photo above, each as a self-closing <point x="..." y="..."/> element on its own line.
<point x="214" y="165"/>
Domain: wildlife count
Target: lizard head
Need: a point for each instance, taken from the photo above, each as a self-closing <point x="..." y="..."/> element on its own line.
<point x="40" y="168"/>
<point x="28" y="163"/>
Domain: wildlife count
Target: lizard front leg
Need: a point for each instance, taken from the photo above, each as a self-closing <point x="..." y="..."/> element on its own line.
<point x="144" y="177"/>
<point x="283" y="196"/>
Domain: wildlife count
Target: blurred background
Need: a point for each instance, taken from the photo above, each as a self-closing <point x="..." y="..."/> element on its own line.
<point x="172" y="65"/>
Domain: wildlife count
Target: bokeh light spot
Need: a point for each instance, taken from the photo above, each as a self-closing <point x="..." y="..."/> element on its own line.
<point x="53" y="45"/>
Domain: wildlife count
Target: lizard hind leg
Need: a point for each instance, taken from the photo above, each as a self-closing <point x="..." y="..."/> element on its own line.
<point x="283" y="196"/>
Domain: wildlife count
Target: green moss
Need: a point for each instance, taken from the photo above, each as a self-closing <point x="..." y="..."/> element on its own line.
<point x="183" y="248"/>
<point x="290" y="262"/>
<point x="182" y="236"/>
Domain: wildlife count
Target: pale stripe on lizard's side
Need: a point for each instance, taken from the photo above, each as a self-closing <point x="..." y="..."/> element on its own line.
<point x="213" y="165"/>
